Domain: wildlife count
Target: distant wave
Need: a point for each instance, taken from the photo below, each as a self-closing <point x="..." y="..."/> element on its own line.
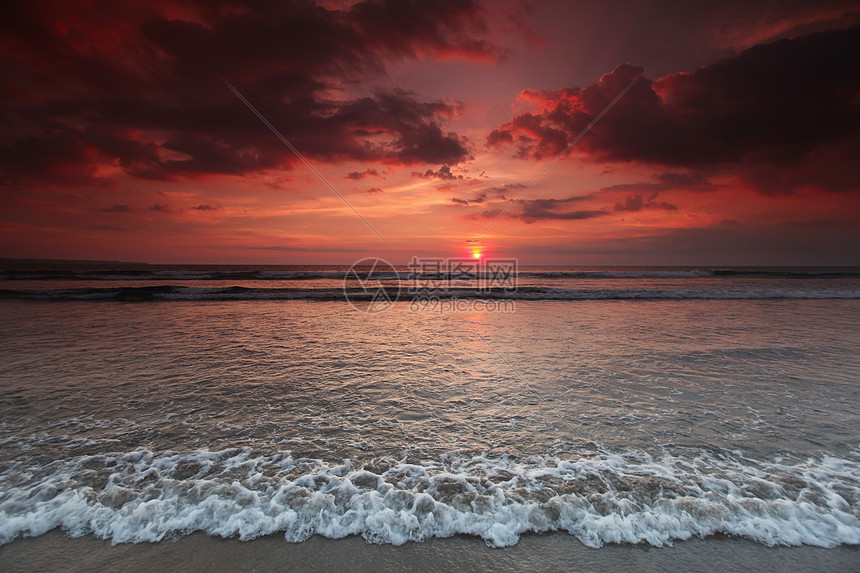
<point x="697" y="273"/>
<point x="172" y="275"/>
<point x="180" y="293"/>
<point x="214" y="274"/>
<point x="610" y="497"/>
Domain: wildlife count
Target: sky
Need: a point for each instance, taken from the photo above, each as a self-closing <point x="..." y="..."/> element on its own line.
<point x="703" y="133"/>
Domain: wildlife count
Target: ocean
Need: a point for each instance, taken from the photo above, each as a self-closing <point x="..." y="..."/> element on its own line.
<point x="141" y="403"/>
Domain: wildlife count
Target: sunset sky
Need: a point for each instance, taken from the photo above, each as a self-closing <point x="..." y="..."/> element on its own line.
<point x="736" y="144"/>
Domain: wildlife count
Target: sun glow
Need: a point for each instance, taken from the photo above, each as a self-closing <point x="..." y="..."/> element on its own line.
<point x="476" y="254"/>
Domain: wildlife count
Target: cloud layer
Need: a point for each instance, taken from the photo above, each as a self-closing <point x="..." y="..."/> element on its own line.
<point x="121" y="140"/>
<point x="790" y="107"/>
<point x="140" y="87"/>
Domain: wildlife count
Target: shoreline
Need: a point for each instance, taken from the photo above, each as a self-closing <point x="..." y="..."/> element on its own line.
<point x="54" y="551"/>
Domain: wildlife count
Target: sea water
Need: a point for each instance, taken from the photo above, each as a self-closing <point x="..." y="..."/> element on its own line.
<point x="617" y="405"/>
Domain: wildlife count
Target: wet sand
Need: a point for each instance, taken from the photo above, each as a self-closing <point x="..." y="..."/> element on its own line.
<point x="556" y="552"/>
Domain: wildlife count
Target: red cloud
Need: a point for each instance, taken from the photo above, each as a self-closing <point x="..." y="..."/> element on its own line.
<point x="793" y="105"/>
<point x="140" y="87"/>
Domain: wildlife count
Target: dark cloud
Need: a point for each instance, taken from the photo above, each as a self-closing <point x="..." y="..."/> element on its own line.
<point x="631" y="203"/>
<point x="409" y="28"/>
<point x="637" y="202"/>
<point x="667" y="181"/>
<point x="538" y="214"/>
<point x="206" y="207"/>
<point x="535" y="209"/>
<point x="374" y="190"/>
<point x="160" y="207"/>
<point x="488" y="214"/>
<point x="532" y="210"/>
<point x="686" y="181"/>
<point x="777" y="105"/>
<point x="60" y="157"/>
<point x="532" y="213"/>
<point x="502" y="191"/>
<point x="444" y="173"/>
<point x="358" y="175"/>
<point x="117" y="209"/>
<point x="130" y="85"/>
<point x="466" y="202"/>
<point x="833" y="167"/>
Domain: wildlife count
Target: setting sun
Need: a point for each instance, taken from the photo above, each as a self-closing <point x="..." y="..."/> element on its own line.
<point x="477" y="254"/>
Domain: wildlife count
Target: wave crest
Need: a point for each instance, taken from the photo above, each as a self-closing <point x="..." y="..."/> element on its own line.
<point x="603" y="498"/>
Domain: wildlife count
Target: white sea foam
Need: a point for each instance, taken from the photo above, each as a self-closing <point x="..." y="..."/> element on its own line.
<point x="608" y="498"/>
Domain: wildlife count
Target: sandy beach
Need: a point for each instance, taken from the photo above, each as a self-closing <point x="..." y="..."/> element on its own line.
<point x="555" y="552"/>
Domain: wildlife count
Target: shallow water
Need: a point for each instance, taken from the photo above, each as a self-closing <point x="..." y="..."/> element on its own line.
<point x="615" y="421"/>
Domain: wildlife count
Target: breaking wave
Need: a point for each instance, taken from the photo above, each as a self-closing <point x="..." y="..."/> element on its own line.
<point x="601" y="498"/>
